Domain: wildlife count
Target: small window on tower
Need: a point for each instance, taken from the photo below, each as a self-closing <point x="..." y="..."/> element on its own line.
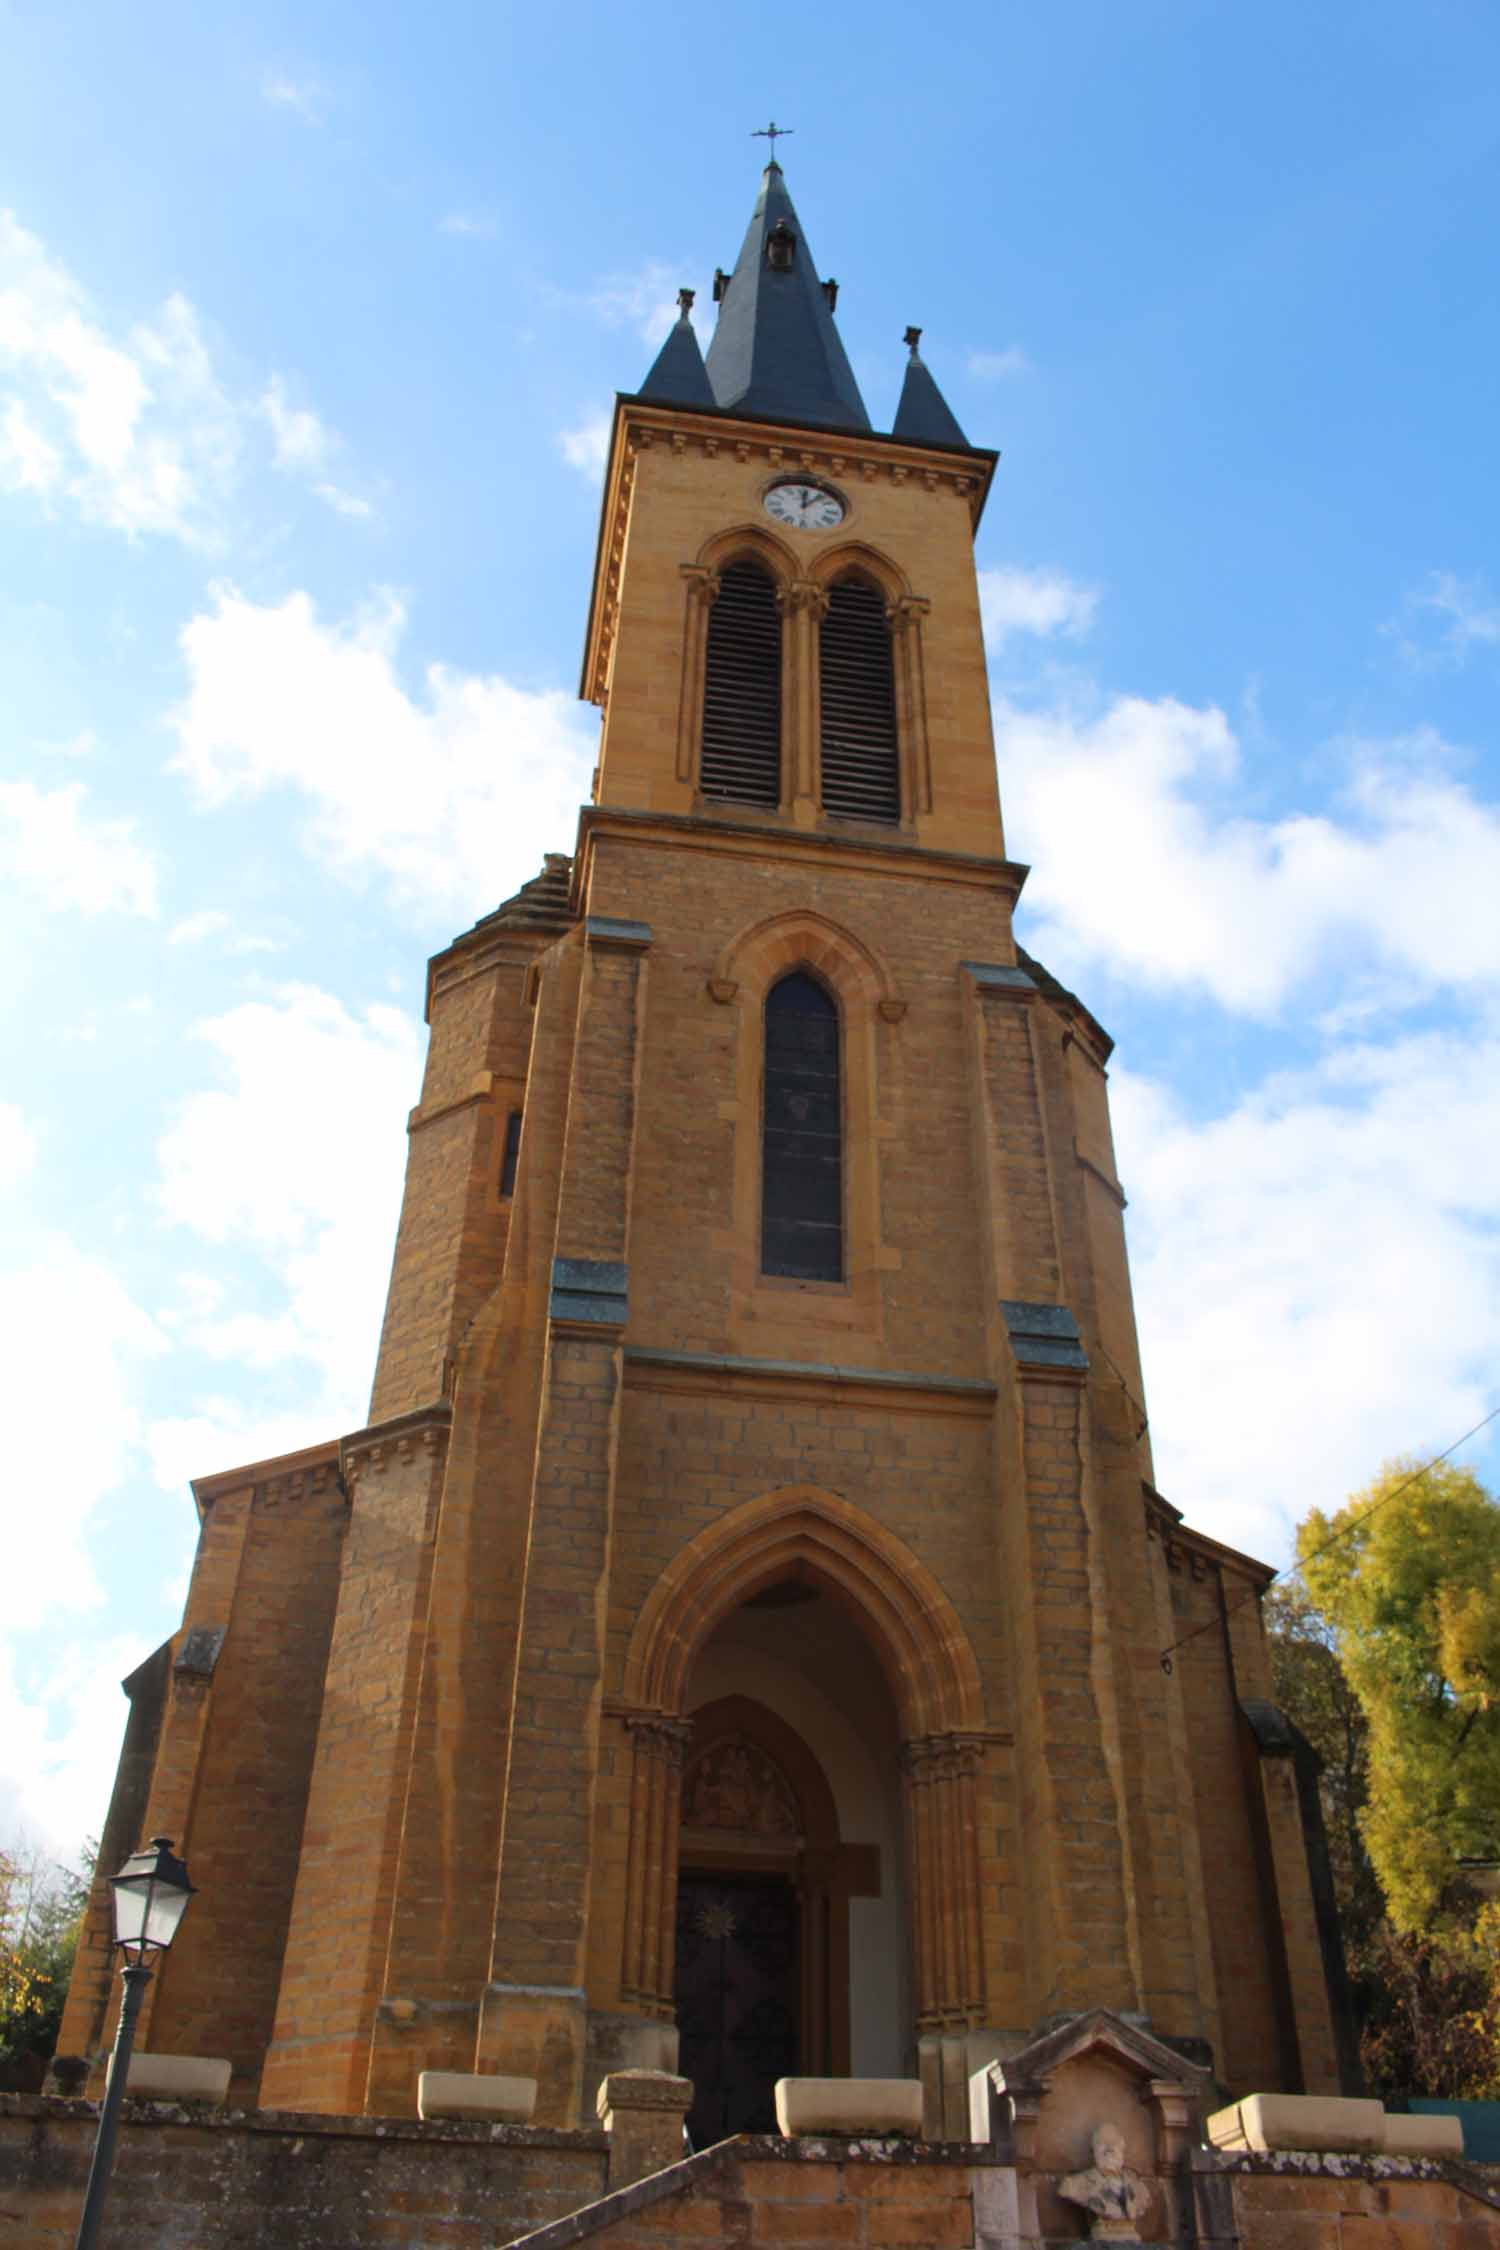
<point x="802" y="1155"/>
<point x="742" y="690"/>
<point x="781" y="247"/>
<point x="512" y="1156"/>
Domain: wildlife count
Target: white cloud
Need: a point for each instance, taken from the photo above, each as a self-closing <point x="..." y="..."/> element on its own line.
<point x="80" y="745"/>
<point x="61" y="1737"/>
<point x="1042" y="602"/>
<point x="194" y="928"/>
<point x="69" y="1333"/>
<point x="17" y="1145"/>
<point x="304" y="445"/>
<point x="645" y="300"/>
<point x="452" y="794"/>
<point x="1317" y="1275"/>
<point x="301" y="440"/>
<point x="294" y="1164"/>
<point x="586" y="448"/>
<point x="993" y="367"/>
<point x="135" y="431"/>
<point x="1143" y="867"/>
<point x="1466" y="613"/>
<point x="54" y="853"/>
<point x="478" y="226"/>
<point x="304" y="97"/>
<point x="27" y="462"/>
<point x="344" y="503"/>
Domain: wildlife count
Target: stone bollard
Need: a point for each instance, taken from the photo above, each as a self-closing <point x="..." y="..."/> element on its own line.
<point x="642" y="2112"/>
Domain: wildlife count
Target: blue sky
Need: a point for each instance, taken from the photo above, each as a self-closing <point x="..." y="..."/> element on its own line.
<point x="309" y="325"/>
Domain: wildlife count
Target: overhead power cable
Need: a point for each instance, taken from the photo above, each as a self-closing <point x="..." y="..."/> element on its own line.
<point x="1294" y="1570"/>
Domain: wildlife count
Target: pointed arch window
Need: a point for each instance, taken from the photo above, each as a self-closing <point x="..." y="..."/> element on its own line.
<point x="857" y="697"/>
<point x="802" y="1142"/>
<point x="741" y="758"/>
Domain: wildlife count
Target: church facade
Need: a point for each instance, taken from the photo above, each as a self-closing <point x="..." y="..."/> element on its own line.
<point x="736" y="1641"/>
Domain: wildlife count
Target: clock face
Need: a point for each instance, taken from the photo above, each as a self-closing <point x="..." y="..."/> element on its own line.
<point x="804" y="507"/>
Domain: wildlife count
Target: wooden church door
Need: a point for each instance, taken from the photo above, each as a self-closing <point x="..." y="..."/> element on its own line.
<point x="739" y="2001"/>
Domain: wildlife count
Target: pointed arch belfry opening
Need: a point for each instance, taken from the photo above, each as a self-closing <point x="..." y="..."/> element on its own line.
<point x="740" y="761"/>
<point x="808" y="1534"/>
<point x="859" y="754"/>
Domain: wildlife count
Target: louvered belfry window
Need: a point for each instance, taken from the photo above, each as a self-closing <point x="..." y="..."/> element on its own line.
<point x="802" y="1168"/>
<point x="742" y="690"/>
<point x="861" y="775"/>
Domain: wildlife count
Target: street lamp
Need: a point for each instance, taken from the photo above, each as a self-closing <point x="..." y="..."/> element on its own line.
<point x="150" y="1895"/>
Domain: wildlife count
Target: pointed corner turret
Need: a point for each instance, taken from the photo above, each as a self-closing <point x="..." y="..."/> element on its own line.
<point x="924" y="415"/>
<point x="678" y="376"/>
<point x="776" y="350"/>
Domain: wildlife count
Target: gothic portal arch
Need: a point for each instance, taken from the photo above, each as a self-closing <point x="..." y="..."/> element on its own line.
<point x="804" y="1534"/>
<point x="803" y="1530"/>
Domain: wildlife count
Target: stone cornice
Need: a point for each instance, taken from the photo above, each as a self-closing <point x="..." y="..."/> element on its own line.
<point x="760" y="840"/>
<point x="474" y="951"/>
<point x="646" y="1369"/>
<point x="1194" y="1551"/>
<point x="402" y="1438"/>
<point x="285" y="1476"/>
<point x="851" y="458"/>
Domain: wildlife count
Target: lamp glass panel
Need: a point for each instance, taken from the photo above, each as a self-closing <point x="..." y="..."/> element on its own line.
<point x="167" y="1907"/>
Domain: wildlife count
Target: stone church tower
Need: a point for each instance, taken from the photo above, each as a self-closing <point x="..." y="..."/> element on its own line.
<point x="737" y="1635"/>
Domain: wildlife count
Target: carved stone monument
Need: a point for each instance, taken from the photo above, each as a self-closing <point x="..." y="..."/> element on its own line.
<point x="1115" y="2196"/>
<point x="1096" y="2116"/>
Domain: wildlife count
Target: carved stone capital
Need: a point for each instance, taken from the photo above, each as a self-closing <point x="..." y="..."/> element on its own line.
<point x="941" y="1757"/>
<point x="907" y="610"/>
<point x="702" y="583"/>
<point x="804" y="594"/>
<point x="656" y="1734"/>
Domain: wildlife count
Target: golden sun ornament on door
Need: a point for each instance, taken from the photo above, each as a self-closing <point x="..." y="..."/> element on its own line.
<point x="804" y="507"/>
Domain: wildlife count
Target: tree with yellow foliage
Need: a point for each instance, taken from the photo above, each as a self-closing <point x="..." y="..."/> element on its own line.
<point x="1408" y="1573"/>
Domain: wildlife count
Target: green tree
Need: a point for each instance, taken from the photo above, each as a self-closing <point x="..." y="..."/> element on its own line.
<point x="41" y="1909"/>
<point x="1408" y="1576"/>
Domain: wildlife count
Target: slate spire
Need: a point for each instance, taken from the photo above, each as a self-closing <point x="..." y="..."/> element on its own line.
<point x="678" y="376"/>
<point x="775" y="350"/>
<point x="924" y="415"/>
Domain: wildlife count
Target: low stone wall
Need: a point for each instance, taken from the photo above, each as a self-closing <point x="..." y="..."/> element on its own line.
<point x="1301" y="2201"/>
<point x="188" y="2179"/>
<point x="807" y="2194"/>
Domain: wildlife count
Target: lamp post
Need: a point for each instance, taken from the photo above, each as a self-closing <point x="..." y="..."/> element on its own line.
<point x="150" y="1896"/>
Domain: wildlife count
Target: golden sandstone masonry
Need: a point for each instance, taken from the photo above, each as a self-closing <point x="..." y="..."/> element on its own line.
<point x="734" y="1644"/>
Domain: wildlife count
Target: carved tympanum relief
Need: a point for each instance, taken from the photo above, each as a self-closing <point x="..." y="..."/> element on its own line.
<point x="732" y="1786"/>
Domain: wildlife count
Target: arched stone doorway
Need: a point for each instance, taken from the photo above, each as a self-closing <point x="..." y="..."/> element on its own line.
<point x="791" y="1925"/>
<point x="800" y="1604"/>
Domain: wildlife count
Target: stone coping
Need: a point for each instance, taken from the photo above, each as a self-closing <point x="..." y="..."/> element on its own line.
<point x="1481" y="2180"/>
<point x="587" y="2140"/>
<point x="757" y="2148"/>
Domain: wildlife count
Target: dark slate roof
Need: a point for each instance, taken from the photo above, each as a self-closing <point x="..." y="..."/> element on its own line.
<point x="775" y="350"/>
<point x="678" y="376"/>
<point x="924" y="415"/>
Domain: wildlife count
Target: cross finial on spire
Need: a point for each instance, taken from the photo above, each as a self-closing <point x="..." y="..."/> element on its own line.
<point x="685" y="302"/>
<point x="772" y="133"/>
